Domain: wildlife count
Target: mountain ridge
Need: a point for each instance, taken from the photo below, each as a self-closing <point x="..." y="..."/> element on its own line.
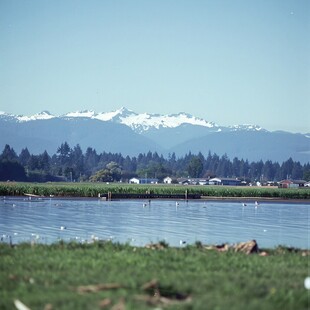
<point x="126" y="132"/>
<point x="138" y="122"/>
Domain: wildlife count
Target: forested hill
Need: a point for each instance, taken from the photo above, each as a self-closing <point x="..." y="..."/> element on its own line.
<point x="72" y="164"/>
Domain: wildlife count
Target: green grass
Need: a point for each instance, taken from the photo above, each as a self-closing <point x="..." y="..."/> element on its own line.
<point x="39" y="275"/>
<point x="93" y="189"/>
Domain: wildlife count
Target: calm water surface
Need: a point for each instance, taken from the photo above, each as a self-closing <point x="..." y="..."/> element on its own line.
<point x="47" y="221"/>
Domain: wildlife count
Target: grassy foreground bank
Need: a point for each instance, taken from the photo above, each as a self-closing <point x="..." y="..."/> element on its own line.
<point x="93" y="189"/>
<point x="114" y="276"/>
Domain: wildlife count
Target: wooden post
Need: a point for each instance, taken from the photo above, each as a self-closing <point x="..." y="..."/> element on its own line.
<point x="186" y="194"/>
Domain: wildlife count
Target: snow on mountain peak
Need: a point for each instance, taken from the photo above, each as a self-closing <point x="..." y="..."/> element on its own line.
<point x="138" y="122"/>
<point x="247" y="127"/>
<point x="144" y="121"/>
<point x="102" y="116"/>
<point x="39" y="116"/>
<point x="85" y="113"/>
<point x="114" y="115"/>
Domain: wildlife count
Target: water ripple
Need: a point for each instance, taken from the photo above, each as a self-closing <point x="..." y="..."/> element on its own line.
<point x="141" y="222"/>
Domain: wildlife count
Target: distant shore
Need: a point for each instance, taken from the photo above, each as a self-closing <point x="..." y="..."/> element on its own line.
<point x="203" y="199"/>
<point x="258" y="199"/>
<point x="152" y="191"/>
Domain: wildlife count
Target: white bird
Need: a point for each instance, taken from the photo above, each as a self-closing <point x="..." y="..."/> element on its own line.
<point x="182" y="242"/>
<point x="63" y="227"/>
<point x="94" y="238"/>
<point x="19" y="305"/>
<point x="244" y="204"/>
<point x="256" y="204"/>
<point x="177" y="204"/>
<point x="144" y="205"/>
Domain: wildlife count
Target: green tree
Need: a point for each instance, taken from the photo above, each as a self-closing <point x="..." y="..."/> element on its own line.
<point x="286" y="169"/>
<point x="12" y="170"/>
<point x="111" y="173"/>
<point x="91" y="161"/>
<point x="8" y="154"/>
<point x="103" y="175"/>
<point x="306" y="175"/>
<point x="224" y="167"/>
<point x="297" y="171"/>
<point x="44" y="162"/>
<point x="24" y="157"/>
<point x="64" y="154"/>
<point x="195" y="167"/>
<point x="268" y="171"/>
<point x="77" y="162"/>
<point x="34" y="162"/>
<point x="114" y="170"/>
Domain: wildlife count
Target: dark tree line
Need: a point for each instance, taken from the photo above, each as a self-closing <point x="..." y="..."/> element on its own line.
<point x="72" y="164"/>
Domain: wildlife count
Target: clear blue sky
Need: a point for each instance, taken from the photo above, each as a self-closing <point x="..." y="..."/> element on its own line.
<point x="231" y="62"/>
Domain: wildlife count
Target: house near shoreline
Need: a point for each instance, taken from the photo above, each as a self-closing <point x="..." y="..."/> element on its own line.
<point x="225" y="181"/>
<point x="192" y="181"/>
<point x="213" y="181"/>
<point x="167" y="180"/>
<point x="143" y="181"/>
<point x="292" y="183"/>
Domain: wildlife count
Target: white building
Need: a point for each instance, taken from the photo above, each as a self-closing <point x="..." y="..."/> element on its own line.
<point x="143" y="181"/>
<point x="134" y="181"/>
<point x="167" y="180"/>
<point x="224" y="181"/>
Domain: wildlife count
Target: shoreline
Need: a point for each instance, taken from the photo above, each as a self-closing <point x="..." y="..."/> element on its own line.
<point x="132" y="191"/>
<point x="201" y="199"/>
<point x="234" y="247"/>
<point x="259" y="199"/>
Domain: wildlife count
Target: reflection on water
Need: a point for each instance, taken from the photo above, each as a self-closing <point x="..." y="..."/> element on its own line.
<point x="141" y="222"/>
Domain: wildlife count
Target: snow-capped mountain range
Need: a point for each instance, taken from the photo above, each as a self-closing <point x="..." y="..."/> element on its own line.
<point x="124" y="131"/>
<point x="137" y="122"/>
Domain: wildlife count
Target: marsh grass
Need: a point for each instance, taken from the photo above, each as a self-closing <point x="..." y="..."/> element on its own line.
<point x="93" y="189"/>
<point x="50" y="276"/>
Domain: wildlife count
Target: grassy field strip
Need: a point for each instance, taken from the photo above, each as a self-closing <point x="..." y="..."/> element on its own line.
<point x="95" y="189"/>
<point x="119" y="276"/>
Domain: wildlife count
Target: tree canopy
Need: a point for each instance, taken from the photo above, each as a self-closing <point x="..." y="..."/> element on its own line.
<point x="72" y="164"/>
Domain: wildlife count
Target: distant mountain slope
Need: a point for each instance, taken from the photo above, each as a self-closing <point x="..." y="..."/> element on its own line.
<point x="48" y="134"/>
<point x="252" y="145"/>
<point x="124" y="131"/>
<point x="169" y="137"/>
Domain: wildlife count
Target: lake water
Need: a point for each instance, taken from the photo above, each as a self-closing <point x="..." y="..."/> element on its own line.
<point x="140" y="222"/>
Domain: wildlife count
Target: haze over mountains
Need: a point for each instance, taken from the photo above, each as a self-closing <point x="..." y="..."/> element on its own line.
<point x="124" y="131"/>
